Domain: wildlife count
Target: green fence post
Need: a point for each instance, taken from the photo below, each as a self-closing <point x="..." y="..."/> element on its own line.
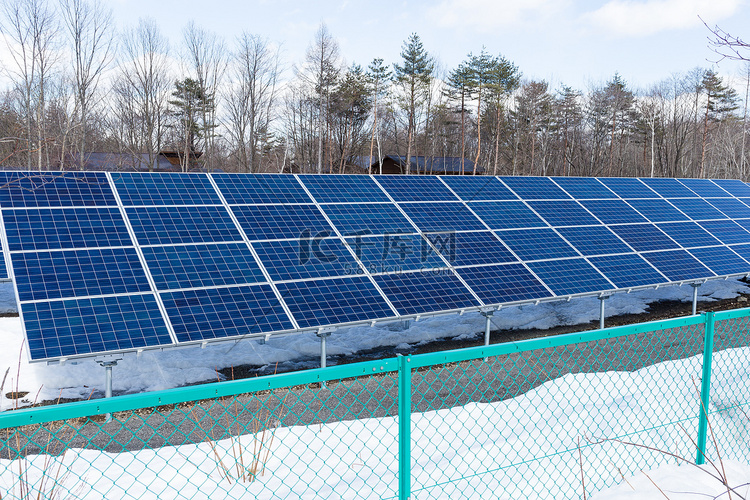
<point x="708" y="349"/>
<point x="404" y="427"/>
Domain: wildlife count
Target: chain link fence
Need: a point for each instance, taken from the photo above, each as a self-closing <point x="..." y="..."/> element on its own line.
<point x="545" y="418"/>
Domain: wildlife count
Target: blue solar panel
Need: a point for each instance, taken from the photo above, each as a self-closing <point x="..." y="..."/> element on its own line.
<point x="3" y="270"/>
<point x="165" y="189"/>
<point x="306" y="258"/>
<point x="465" y="249"/>
<point x="368" y="218"/>
<point x="214" y="313"/>
<point x="678" y="265"/>
<point x="612" y="211"/>
<point x="90" y="326"/>
<point x="644" y="237"/>
<point x="594" y="240"/>
<point x="260" y="188"/>
<point x="584" y="188"/>
<point x="442" y="216"/>
<point x="628" y="270"/>
<point x="194" y="266"/>
<point x="507" y="215"/>
<point x="503" y="283"/>
<point x="535" y="188"/>
<point x="343" y="188"/>
<point x="563" y="213"/>
<point x="419" y="292"/>
<point x="271" y="222"/>
<point x="668" y="188"/>
<point x="657" y="210"/>
<point x="728" y="231"/>
<point x="478" y="188"/>
<point x="688" y="234"/>
<point x="536" y="244"/>
<point x="704" y="188"/>
<point x="78" y="273"/>
<point x="732" y="208"/>
<point x="742" y="250"/>
<point x="395" y="253"/>
<point x="570" y="276"/>
<point x="331" y="301"/>
<point x="55" y="189"/>
<point x="58" y="228"/>
<point x="697" y="209"/>
<point x="721" y="260"/>
<point x="734" y="187"/>
<point x="415" y="188"/>
<point x="627" y="188"/>
<point x="170" y="225"/>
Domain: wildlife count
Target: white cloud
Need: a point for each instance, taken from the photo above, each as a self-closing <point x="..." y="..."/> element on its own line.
<point x="486" y="15"/>
<point x="643" y="18"/>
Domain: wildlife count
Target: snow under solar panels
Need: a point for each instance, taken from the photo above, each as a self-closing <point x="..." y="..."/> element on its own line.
<point x="105" y="263"/>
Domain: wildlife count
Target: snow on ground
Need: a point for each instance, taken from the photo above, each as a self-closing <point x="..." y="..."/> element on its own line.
<point x="686" y="482"/>
<point x="156" y="370"/>
<point x="525" y="447"/>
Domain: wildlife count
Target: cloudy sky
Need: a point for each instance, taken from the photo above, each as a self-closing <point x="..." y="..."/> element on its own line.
<point x="562" y="41"/>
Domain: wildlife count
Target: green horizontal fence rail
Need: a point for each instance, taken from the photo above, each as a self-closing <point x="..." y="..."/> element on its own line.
<point x="555" y="417"/>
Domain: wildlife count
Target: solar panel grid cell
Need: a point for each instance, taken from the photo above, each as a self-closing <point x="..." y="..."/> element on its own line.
<point x="53" y="228"/>
<point x="420" y="293"/>
<point x="721" y="260"/>
<point x="507" y="215"/>
<point x="260" y="188"/>
<point x="657" y="210"/>
<point x="629" y="270"/>
<point x="270" y="222"/>
<point x="164" y="189"/>
<point x="688" y="234"/>
<point x="502" y="283"/>
<point x="628" y="188"/>
<point x="93" y="325"/>
<point x="224" y="312"/>
<point x="446" y="216"/>
<point x="478" y="188"/>
<point x="58" y="189"/>
<point x="331" y="301"/>
<point x="584" y="188"/>
<point x="188" y="224"/>
<point x="704" y="188"/>
<point x="570" y="276"/>
<point x="668" y="188"/>
<point x="395" y="253"/>
<point x="644" y="237"/>
<point x="613" y="211"/>
<point x="563" y="213"/>
<point x="535" y="188"/>
<point x="536" y="244"/>
<point x="678" y="265"/>
<point x="728" y="231"/>
<point x="697" y="209"/>
<point x="465" y="249"/>
<point x="418" y="188"/>
<point x="594" y="240"/>
<point x="342" y="188"/>
<point x="368" y="218"/>
<point x="306" y="258"/>
<point x="194" y="266"/>
<point x="78" y="273"/>
<point x="732" y="208"/>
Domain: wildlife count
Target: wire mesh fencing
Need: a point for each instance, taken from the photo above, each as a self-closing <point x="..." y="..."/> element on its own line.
<point x="546" y="418"/>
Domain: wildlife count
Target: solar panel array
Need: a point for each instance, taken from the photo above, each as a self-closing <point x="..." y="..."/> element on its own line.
<point x="114" y="262"/>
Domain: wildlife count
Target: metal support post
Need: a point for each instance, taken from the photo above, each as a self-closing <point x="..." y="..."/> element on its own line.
<point x="404" y="427"/>
<point x="108" y="363"/>
<point x="487" y="325"/>
<point x="695" y="296"/>
<point x="708" y="349"/>
<point x="323" y="335"/>
<point x="602" y="298"/>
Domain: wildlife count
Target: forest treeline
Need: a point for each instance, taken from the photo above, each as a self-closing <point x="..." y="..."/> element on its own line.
<point x="77" y="85"/>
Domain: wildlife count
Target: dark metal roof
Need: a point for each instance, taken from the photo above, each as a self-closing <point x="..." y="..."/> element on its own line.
<point x="422" y="164"/>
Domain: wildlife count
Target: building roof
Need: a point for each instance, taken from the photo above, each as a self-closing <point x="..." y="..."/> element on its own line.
<point x="422" y="164"/>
